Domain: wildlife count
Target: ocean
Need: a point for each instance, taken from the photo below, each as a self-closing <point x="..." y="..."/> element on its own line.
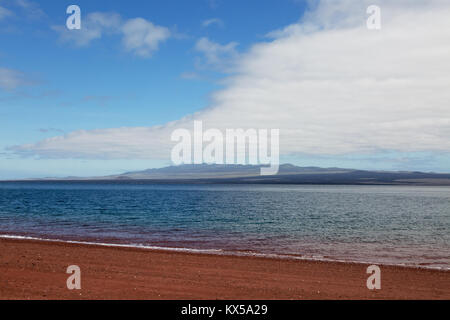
<point x="399" y="225"/>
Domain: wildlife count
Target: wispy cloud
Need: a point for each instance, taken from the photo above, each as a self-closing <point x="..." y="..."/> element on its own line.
<point x="23" y="94"/>
<point x="28" y="8"/>
<point x="47" y="130"/>
<point x="32" y="9"/>
<point x="213" y="4"/>
<point x="11" y="79"/>
<point x="190" y="76"/>
<point x="213" y="21"/>
<point x="5" y="13"/>
<point x="216" y="55"/>
<point x="101" y="100"/>
<point x="139" y="36"/>
<point x="94" y="26"/>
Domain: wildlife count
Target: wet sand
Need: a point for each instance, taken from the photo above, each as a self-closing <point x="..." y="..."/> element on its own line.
<point x="37" y="270"/>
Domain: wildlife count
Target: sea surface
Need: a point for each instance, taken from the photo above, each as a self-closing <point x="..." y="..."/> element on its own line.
<point x="397" y="225"/>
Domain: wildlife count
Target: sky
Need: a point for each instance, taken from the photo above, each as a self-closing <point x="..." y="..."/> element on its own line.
<point x="104" y="99"/>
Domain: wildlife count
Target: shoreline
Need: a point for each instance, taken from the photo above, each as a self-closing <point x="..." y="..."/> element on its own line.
<point x="218" y="252"/>
<point x="36" y="269"/>
<point x="229" y="181"/>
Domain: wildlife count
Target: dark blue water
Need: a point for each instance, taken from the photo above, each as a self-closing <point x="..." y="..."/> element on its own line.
<point x="380" y="224"/>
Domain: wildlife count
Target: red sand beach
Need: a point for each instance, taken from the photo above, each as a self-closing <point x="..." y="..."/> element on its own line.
<point x="37" y="270"/>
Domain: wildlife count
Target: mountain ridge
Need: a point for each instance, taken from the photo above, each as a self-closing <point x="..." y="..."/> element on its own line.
<point x="288" y="174"/>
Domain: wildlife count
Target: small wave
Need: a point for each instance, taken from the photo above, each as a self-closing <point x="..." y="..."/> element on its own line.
<point x="141" y="246"/>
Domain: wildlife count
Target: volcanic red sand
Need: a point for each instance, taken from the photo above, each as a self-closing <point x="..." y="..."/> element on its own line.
<point x="37" y="270"/>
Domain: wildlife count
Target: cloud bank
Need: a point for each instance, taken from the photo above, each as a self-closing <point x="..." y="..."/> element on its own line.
<point x="328" y="83"/>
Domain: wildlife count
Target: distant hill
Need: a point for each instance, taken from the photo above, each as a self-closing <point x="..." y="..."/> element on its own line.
<point x="288" y="174"/>
<point x="193" y="171"/>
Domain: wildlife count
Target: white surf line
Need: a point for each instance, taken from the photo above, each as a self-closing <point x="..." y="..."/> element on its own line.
<point x="220" y="252"/>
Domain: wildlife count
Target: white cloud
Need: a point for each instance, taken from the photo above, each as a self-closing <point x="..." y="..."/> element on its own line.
<point x="330" y="87"/>
<point x="143" y="37"/>
<point x="11" y="79"/>
<point x="216" y="55"/>
<point x="212" y="21"/>
<point x="139" y="36"/>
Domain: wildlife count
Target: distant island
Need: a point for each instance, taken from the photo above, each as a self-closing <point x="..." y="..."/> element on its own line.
<point x="288" y="174"/>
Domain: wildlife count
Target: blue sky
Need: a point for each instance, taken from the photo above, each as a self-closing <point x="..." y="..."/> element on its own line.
<point x="153" y="90"/>
<point x="52" y="86"/>
<point x="101" y="85"/>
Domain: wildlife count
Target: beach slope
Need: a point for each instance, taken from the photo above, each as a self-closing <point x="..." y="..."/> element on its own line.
<point x="37" y="270"/>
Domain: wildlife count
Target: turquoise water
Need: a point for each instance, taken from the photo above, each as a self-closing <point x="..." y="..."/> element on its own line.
<point x="379" y="224"/>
